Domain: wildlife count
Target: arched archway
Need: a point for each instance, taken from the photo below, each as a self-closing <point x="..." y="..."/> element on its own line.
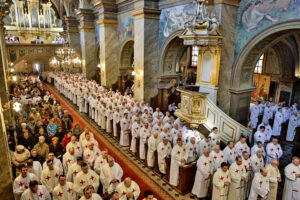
<point x="243" y="68"/>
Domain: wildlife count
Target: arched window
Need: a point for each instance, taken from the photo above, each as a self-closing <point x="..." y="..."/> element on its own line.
<point x="259" y="65"/>
<point x="195" y="56"/>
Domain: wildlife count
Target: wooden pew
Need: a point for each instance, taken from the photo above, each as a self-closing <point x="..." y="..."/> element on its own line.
<point x="112" y="127"/>
<point x="168" y="162"/>
<point x="118" y="131"/>
<point x="130" y="137"/>
<point x="297" y="135"/>
<point x="146" y="152"/>
<point x="156" y="168"/>
<point x="137" y="146"/>
<point x="283" y="133"/>
<point x="186" y="178"/>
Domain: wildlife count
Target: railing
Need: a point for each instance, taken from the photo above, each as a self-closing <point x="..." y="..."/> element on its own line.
<point x="196" y="108"/>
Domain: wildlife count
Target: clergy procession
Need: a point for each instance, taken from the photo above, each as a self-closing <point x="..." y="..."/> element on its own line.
<point x="54" y="158"/>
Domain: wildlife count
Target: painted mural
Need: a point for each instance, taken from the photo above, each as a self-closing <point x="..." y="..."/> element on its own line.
<point x="172" y="19"/>
<point x="254" y="16"/>
<point x="125" y="28"/>
<point x="262" y="84"/>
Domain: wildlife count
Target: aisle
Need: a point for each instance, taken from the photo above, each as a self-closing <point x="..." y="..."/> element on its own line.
<point x="129" y="168"/>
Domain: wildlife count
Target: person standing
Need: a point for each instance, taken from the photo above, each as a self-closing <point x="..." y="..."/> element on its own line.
<point x="293" y="124"/>
<point x="260" y="185"/>
<point x="277" y="122"/>
<point x="237" y="174"/>
<point x="177" y="160"/>
<point x="153" y="143"/>
<point x="203" y="175"/>
<point x="64" y="190"/>
<point x="274" y="177"/>
<point x="292" y="180"/>
<point x="36" y="192"/>
<point x="221" y="183"/>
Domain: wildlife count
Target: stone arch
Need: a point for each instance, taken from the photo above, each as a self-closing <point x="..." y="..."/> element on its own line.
<point x="126" y="53"/>
<point x="243" y="68"/>
<point x="181" y="48"/>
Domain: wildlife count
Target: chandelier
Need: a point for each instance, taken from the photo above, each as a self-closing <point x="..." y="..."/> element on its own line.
<point x="67" y="59"/>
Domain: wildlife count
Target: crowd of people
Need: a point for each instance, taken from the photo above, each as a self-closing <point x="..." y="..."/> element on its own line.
<point x="272" y="117"/>
<point x="236" y="172"/>
<point x="11" y="39"/>
<point x="58" y="40"/>
<point x="53" y="158"/>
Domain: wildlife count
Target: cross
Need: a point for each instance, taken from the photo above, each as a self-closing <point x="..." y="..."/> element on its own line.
<point x="69" y="160"/>
<point x="82" y="182"/>
<point x="60" y="194"/>
<point x="178" y="152"/>
<point x="78" y="147"/>
<point x="56" y="175"/>
<point x="89" y="155"/>
<point x="221" y="178"/>
<point x="21" y="184"/>
<point x="41" y="195"/>
<point x="75" y="172"/>
<point x="123" y="193"/>
<point x="205" y="164"/>
<point x="48" y="177"/>
<point x="215" y="157"/>
<point x="237" y="171"/>
<point x="92" y="178"/>
<point x="69" y="190"/>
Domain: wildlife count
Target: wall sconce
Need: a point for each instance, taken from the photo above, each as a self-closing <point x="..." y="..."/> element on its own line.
<point x="133" y="73"/>
<point x="12" y="70"/>
<point x="11" y="64"/>
<point x="14" y="78"/>
<point x="17" y="106"/>
<point x="99" y="66"/>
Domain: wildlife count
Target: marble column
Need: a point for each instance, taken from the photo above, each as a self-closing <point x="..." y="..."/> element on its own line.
<point x="108" y="51"/>
<point x="87" y="42"/>
<point x="146" y="58"/>
<point x="4" y="92"/>
<point x="72" y="33"/>
<point x="240" y="101"/>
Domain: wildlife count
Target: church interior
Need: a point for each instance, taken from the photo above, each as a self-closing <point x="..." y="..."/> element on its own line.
<point x="150" y="99"/>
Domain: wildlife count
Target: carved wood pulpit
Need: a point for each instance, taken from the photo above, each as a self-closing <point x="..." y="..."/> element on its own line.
<point x="186" y="178"/>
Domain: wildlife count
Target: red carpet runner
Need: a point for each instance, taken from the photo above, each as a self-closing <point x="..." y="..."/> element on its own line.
<point x="129" y="168"/>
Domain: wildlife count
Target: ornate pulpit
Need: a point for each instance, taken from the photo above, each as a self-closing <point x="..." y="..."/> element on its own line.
<point x="202" y="32"/>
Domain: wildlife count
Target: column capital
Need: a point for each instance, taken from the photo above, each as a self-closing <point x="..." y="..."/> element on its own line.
<point x="146" y="13"/>
<point x="86" y="19"/>
<point x="241" y="90"/>
<point x="107" y="22"/>
<point x="72" y="24"/>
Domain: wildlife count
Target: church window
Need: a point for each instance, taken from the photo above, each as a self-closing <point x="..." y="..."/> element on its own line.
<point x="259" y="65"/>
<point x="195" y="53"/>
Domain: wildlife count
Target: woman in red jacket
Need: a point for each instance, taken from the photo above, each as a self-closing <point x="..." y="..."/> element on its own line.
<point x="66" y="139"/>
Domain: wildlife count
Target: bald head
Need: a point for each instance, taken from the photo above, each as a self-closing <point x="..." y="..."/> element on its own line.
<point x="206" y="152"/>
<point x="274" y="162"/>
<point x="264" y="171"/>
<point x="127" y="182"/>
<point x="217" y="148"/>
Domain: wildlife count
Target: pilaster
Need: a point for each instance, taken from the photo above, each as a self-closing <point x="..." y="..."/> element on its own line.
<point x="72" y="33"/>
<point x="108" y="34"/>
<point x="146" y="28"/>
<point x="87" y="42"/>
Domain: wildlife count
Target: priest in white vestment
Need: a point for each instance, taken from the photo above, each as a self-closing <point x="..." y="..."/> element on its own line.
<point x="145" y="133"/>
<point x="91" y="153"/>
<point x="76" y="145"/>
<point x="246" y="185"/>
<point x="64" y="190"/>
<point x="128" y="190"/>
<point x="203" y="175"/>
<point x="125" y="130"/>
<point x="111" y="175"/>
<point x="237" y="174"/>
<point x="49" y="176"/>
<point x="177" y="160"/>
<point x="135" y="132"/>
<point x="116" y="120"/>
<point x="153" y="143"/>
<point x="215" y="137"/>
<point x="279" y="119"/>
<point x="292" y="180"/>
<point x="205" y="143"/>
<point x="21" y="183"/>
<point x="260" y="185"/>
<point x="164" y="150"/>
<point x="221" y="182"/>
<point x="74" y="169"/>
<point x="109" y="118"/>
<point x="230" y="152"/>
<point x="36" y="192"/>
<point x="274" y="177"/>
<point x="293" y="124"/>
<point x="68" y="159"/>
<point x="35" y="168"/>
<point x="254" y="110"/>
<point x="274" y="150"/>
<point x="256" y="147"/>
<point x="241" y="146"/>
<point x="84" y="178"/>
<point x="217" y="157"/>
<point x="100" y="161"/>
<point x="89" y="195"/>
<point x="191" y="151"/>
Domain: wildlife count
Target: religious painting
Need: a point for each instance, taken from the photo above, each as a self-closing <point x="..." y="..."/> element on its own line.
<point x="255" y="16"/>
<point x="262" y="84"/>
<point x="245" y="77"/>
<point x="173" y="19"/>
<point x="125" y="28"/>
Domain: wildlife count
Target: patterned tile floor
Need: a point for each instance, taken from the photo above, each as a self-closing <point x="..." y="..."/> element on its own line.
<point x="125" y="150"/>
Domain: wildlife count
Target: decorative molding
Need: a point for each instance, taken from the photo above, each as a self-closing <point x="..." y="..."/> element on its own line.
<point x="107" y="22"/>
<point x="146" y="13"/>
<point x="241" y="90"/>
